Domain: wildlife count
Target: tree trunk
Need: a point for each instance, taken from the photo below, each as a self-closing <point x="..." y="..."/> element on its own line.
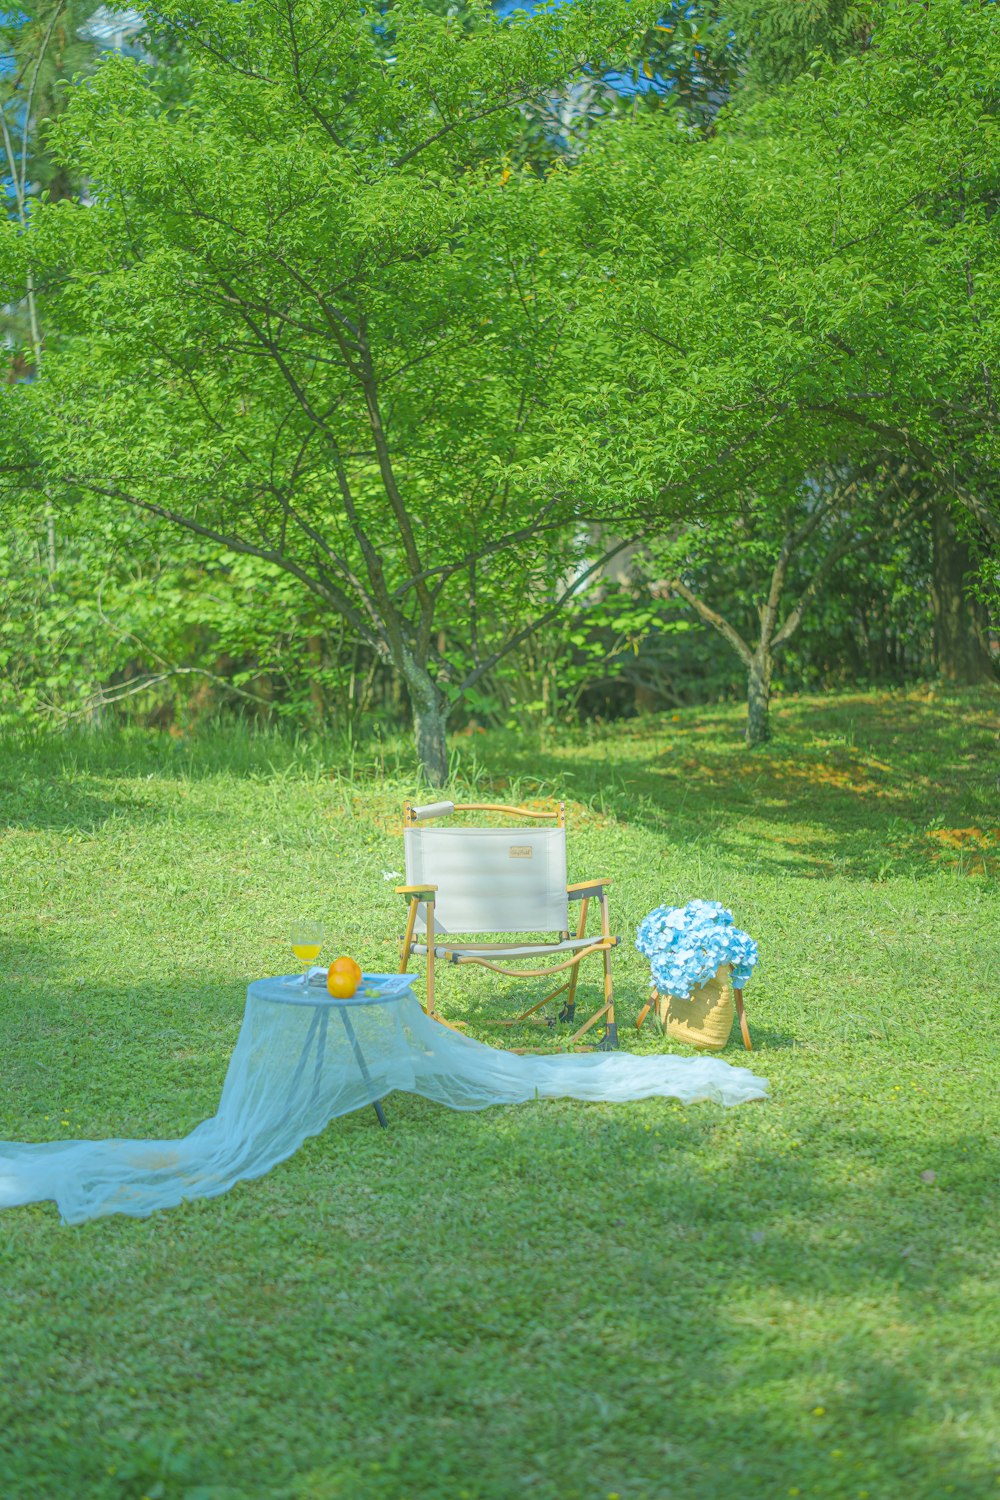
<point x="432" y="743"/>
<point x="958" y="652"/>
<point x="759" y="697"/>
<point x="314" y="646"/>
<point x="429" y="722"/>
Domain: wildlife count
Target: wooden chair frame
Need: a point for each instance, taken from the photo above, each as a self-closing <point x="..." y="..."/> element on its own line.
<point x="583" y="891"/>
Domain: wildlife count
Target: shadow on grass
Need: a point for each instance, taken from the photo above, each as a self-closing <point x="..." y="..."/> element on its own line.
<point x="860" y="785"/>
<point x="135" y="1060"/>
<point x="864" y="787"/>
<point x="563" y="1299"/>
<point x="488" y="1017"/>
<point x="234" y="749"/>
<point x="754" y="1326"/>
<point x="39" y="803"/>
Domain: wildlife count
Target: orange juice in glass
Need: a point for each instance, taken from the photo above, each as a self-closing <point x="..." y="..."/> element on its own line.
<point x="307" y="940"/>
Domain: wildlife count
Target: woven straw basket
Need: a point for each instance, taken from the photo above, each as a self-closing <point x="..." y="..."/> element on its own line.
<point x="707" y="1018"/>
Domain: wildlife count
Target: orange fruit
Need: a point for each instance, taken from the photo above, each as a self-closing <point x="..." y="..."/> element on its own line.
<point x="345" y="965"/>
<point x="343" y="978"/>
<point x="341" y="986"/>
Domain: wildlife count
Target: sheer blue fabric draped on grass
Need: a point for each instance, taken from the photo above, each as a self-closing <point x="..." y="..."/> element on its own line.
<point x="301" y="1060"/>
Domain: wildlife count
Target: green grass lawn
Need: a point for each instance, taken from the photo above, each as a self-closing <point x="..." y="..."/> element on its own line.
<point x="555" y="1300"/>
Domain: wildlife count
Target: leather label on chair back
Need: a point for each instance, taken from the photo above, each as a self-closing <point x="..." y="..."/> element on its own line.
<point x="519" y="851"/>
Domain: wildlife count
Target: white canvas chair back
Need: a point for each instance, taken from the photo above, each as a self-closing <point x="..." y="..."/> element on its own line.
<point x="491" y="879"/>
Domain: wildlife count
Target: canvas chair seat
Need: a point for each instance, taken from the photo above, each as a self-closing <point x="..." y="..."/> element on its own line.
<point x="457" y="952"/>
<point x="483" y="880"/>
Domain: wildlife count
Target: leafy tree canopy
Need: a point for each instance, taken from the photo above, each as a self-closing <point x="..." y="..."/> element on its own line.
<point x="303" y="318"/>
<point x="815" y="283"/>
<point x="775" y="40"/>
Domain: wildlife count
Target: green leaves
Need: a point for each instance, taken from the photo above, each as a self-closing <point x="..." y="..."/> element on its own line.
<point x="807" y="285"/>
<point x="306" y="316"/>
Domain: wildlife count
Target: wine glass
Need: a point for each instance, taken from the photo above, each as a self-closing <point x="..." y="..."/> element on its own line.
<point x="307" y="939"/>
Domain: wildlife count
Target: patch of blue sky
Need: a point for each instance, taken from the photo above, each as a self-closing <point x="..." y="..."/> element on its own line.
<point x="15" y="124"/>
<point x="625" y="84"/>
<point x="10" y="19"/>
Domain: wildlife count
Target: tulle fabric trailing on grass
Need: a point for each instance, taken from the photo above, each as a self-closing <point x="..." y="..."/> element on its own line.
<point x="299" y="1062"/>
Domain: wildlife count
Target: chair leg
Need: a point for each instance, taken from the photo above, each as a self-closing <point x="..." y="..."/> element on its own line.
<point x="553" y="993"/>
<point x="526" y="1015"/>
<point x="610" y="1041"/>
<point x="738" y="997"/>
<point x="531" y="1014"/>
<point x="407" y="947"/>
<point x="430" y="957"/>
<point x="569" y="1009"/>
<point x="458" y="1028"/>
<point x="598" y="1015"/>
<point x="655" y="1002"/>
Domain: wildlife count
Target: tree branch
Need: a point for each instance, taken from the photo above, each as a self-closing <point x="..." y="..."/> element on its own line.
<point x="902" y="440"/>
<point x="329" y="592"/>
<point x="711" y="617"/>
<point x="793" y="619"/>
<point x="444" y="571"/>
<point x="473" y="119"/>
<point x="522" y="635"/>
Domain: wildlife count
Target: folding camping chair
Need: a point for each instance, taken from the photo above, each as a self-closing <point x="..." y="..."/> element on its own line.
<point x="501" y="880"/>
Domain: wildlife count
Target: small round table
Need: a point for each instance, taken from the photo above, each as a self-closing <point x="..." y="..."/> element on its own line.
<point x="288" y="989"/>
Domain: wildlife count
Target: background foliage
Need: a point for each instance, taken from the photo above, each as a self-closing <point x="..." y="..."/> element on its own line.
<point x="606" y="189"/>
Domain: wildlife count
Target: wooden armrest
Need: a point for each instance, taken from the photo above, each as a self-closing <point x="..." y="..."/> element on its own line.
<point x="586" y="888"/>
<point x="415" y="890"/>
<point x="500" y="807"/>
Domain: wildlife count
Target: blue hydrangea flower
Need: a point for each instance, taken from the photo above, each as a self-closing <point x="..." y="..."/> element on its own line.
<point x="685" y="946"/>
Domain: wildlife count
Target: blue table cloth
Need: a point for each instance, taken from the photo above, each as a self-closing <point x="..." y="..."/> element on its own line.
<point x="302" y="1059"/>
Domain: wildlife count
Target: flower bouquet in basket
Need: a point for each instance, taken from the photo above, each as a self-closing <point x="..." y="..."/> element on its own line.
<point x="699" y="962"/>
